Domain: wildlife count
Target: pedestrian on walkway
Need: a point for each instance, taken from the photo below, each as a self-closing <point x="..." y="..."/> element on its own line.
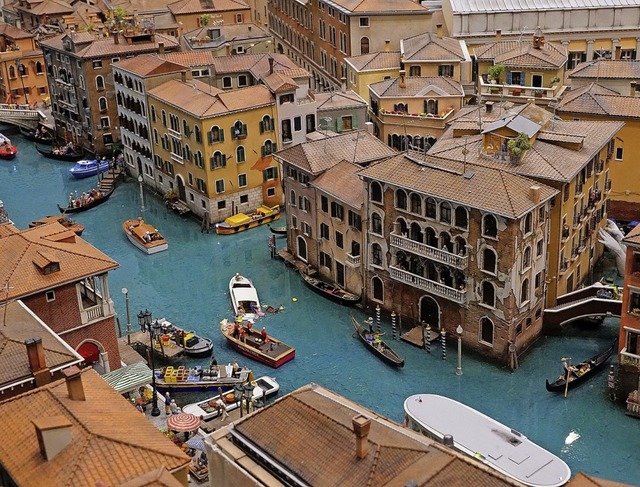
<point x="167" y="403"/>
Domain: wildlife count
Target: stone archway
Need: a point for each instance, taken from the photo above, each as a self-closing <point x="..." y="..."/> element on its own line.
<point x="182" y="194"/>
<point x="94" y="355"/>
<point x="430" y="312"/>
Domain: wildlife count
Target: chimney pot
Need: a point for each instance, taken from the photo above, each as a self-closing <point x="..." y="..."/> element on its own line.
<point x="498" y="35"/>
<point x="534" y="194"/>
<point x="488" y="106"/>
<point x="439" y="30"/>
<point x="186" y="75"/>
<point x="73" y="378"/>
<point x="160" y="47"/>
<point x="37" y="361"/>
<point x="270" y="65"/>
<point x="116" y="37"/>
<point x="343" y="85"/>
<point x="632" y="89"/>
<point x="361" y="426"/>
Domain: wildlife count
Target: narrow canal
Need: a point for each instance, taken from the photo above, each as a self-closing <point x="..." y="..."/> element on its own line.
<point x="188" y="285"/>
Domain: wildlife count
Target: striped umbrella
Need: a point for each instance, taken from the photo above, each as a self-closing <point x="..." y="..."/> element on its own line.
<point x="183" y="422"/>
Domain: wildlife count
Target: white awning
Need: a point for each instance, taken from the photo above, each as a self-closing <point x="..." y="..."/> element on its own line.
<point x="129" y="378"/>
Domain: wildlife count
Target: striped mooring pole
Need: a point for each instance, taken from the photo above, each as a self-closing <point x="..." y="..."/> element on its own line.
<point x="378" y="318"/>
<point x="427" y="344"/>
<point x="443" y="339"/>
<point x="393" y="325"/>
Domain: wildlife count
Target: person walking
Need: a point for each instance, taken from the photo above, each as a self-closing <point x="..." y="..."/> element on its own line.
<point x="167" y="403"/>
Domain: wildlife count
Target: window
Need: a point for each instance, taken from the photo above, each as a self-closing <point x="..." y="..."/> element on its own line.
<point x="311" y="123"/>
<point x="619" y="153"/>
<point x="634" y="301"/>
<point x="528" y="225"/>
<point x="462" y="220"/>
<point x="538" y="281"/>
<point x="339" y="240"/>
<point x="219" y="185"/>
<point x="488" y="294"/>
<point x="306" y="228"/>
<point x="325" y="260"/>
<point x="376" y="224"/>
<point x="197" y="134"/>
<point x="240" y="154"/>
<point x="337" y="211"/>
<point x="378" y="289"/>
<point x="244" y="198"/>
<point x="376" y="192"/>
<point x="431" y="208"/>
<point x="364" y="45"/>
<point x="297" y="124"/>
<point x="324" y="231"/>
<point x="287" y="98"/>
<point x="324" y="203"/>
<point x="415" y="71"/>
<point x="97" y="63"/>
<point x="270" y="174"/>
<point x="364" y="21"/>
<point x="216" y="134"/>
<point x="242" y="80"/>
<point x="266" y="124"/>
<point x="355" y="220"/>
<point x="99" y="83"/>
<point x="286" y="130"/>
<point x="190" y="178"/>
<point x="217" y="160"/>
<point x="376" y="255"/>
<point x="201" y="185"/>
<point x="242" y="180"/>
<point x="445" y="70"/>
<point x="222" y="205"/>
<point x="445" y="212"/>
<point x="268" y="148"/>
<point x="416" y="204"/>
<point x="539" y="247"/>
<point x="401" y="199"/>
<point x="486" y="331"/>
<point x="526" y="258"/>
<point x="102" y="102"/>
<point x="524" y="291"/>
<point x="489" y="226"/>
<point x="104" y="122"/>
<point x="489" y="260"/>
<point x="226" y="82"/>
<point x="50" y="296"/>
<point x="164" y="118"/>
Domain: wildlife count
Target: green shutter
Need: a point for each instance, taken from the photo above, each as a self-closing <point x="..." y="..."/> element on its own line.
<point x="354" y="122"/>
<point x="338" y="124"/>
<point x="262" y="151"/>
<point x="221" y="135"/>
<point x="261" y="125"/>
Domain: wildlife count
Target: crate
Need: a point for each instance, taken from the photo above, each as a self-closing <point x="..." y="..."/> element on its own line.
<point x="168" y="372"/>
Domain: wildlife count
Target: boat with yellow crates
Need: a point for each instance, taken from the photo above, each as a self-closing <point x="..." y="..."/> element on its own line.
<point x="197" y="379"/>
<point x="192" y="344"/>
<point x="241" y="221"/>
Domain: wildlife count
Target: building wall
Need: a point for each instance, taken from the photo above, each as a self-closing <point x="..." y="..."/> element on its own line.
<point x="33" y="82"/>
<point x="228" y="17"/>
<point x="360" y="81"/>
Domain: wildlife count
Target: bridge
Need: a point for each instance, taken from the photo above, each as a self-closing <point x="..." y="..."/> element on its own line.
<point x="21" y="116"/>
<point x="595" y="301"/>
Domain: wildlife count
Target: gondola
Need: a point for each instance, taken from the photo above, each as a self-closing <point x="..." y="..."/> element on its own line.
<point x="46" y="139"/>
<point x="96" y="201"/>
<point x="334" y="293"/>
<point x="582" y="371"/>
<point x="376" y="345"/>
<point x="49" y="153"/>
<point x="279" y="231"/>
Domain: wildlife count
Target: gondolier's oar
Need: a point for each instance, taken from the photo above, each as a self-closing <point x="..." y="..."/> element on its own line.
<point x="566" y="380"/>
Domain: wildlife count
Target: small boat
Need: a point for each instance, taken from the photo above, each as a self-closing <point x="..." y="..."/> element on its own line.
<point x="279" y="231"/>
<point x="376" y="345"/>
<point x="241" y="221"/>
<point x="244" y="298"/>
<point x="193" y="345"/>
<point x="334" y="293"/>
<point x="198" y="379"/>
<point x="144" y="236"/>
<point x="40" y="135"/>
<point x="60" y="153"/>
<point x="264" y="388"/>
<point x="76" y="206"/>
<point x="582" y="371"/>
<point x="269" y="351"/>
<point x="7" y="150"/>
<point x="86" y="168"/>
<point x="63" y="220"/>
<point x="484" y="439"/>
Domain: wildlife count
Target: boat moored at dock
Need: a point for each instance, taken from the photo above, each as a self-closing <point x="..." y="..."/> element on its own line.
<point x="241" y="221"/>
<point x="198" y="379"/>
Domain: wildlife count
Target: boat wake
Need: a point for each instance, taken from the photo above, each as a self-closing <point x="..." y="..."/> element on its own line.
<point x="573" y="436"/>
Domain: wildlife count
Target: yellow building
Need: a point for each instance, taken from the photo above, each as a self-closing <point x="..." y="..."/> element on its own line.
<point x="370" y="68"/>
<point x="191" y="14"/>
<point x="216" y="146"/>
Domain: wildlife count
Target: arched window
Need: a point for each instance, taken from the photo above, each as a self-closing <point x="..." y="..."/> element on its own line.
<point x="416" y="204"/>
<point x="163" y="115"/>
<point x="376" y="192"/>
<point x="401" y="199"/>
<point x="12" y="72"/>
<point x="404" y="229"/>
<point x="432" y="238"/>
<point x="292" y="198"/>
<point x="364" y="45"/>
<point x="416" y="233"/>
<point x="431" y="107"/>
<point x="524" y="291"/>
<point x="376" y="254"/>
<point x="528" y="223"/>
<point x="415" y="71"/>
<point x="185" y="128"/>
<point x="462" y="218"/>
<point x="216" y="134"/>
<point x="431" y="208"/>
<point x="461" y="246"/>
<point x="197" y="134"/>
<point x="102" y="103"/>
<point x="82" y="82"/>
<point x="490" y="226"/>
<point x="99" y="83"/>
<point x="445" y="212"/>
<point x="153" y="113"/>
<point x="526" y="258"/>
<point x="445" y="242"/>
<point x="240" y="154"/>
<point x="378" y="288"/>
<point x="486" y="330"/>
<point x="489" y="260"/>
<point x="488" y="294"/>
<point x="39" y="67"/>
<point x="376" y="223"/>
<point x="155" y="136"/>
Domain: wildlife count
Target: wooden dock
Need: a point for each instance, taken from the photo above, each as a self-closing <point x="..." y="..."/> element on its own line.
<point x="140" y="340"/>
<point x="297" y="264"/>
<point x="108" y="179"/>
<point x="416" y="337"/>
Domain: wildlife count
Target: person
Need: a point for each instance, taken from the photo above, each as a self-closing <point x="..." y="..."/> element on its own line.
<point x="236" y="368"/>
<point x="236" y="330"/>
<point x="243" y="335"/>
<point x="370" y="323"/>
<point x="69" y="147"/>
<point x="71" y="200"/>
<point x="174" y="407"/>
<point x="220" y="406"/>
<point x="139" y="407"/>
<point x="263" y="333"/>
<point x="249" y="326"/>
<point x="167" y="403"/>
<point x="213" y="363"/>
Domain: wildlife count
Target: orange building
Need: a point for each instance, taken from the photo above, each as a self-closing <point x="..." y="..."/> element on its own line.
<point x="629" y="340"/>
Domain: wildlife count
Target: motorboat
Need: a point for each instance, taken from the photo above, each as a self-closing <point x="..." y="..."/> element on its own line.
<point x="86" y="168"/>
<point x="244" y="298"/>
<point x="242" y="221"/>
<point x="144" y="236"/>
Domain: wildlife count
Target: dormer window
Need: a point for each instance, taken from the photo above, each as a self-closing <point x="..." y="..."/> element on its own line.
<point x="45" y="263"/>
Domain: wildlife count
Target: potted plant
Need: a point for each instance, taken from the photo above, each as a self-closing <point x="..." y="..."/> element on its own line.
<point x="518" y="146"/>
<point x="538" y="93"/>
<point x="171" y="195"/>
<point x="496" y="71"/>
<point x="554" y="80"/>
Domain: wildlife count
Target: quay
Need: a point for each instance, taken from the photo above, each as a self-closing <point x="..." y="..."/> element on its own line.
<point x="140" y="341"/>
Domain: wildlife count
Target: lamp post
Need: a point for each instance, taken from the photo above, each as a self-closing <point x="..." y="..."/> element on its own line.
<point x="20" y="67"/>
<point x="125" y="291"/>
<point x="237" y="395"/>
<point x="140" y="179"/>
<point x="459" y="367"/>
<point x="144" y="320"/>
<point x="248" y="394"/>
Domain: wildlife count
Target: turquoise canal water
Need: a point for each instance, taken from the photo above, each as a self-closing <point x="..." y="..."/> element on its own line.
<point x="188" y="285"/>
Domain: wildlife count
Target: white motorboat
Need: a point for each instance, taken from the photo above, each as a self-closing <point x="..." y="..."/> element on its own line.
<point x="244" y="298"/>
<point x="485" y="439"/>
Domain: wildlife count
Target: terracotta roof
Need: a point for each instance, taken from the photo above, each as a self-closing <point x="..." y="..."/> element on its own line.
<point x="228" y="33"/>
<point x="11" y="32"/>
<point x="317" y="156"/>
<point x="380" y="6"/>
<point x="309" y="433"/>
<point x="429" y="47"/>
<point x="374" y="61"/>
<point x="49" y="7"/>
<point x="473" y="6"/>
<point x="189" y="58"/>
<point x="581" y="479"/>
<point x="20" y="324"/>
<point x="256" y="64"/>
<point x="111" y="442"/>
<point x="417" y="86"/>
<point x="142" y="6"/>
<point x="608" y="69"/>
<point x="338" y="99"/>
<point x="156" y="478"/>
<point x="105" y="46"/>
<point x="148" y="65"/>
<point x="522" y="54"/>
<point x="78" y="259"/>
<point x="182" y="7"/>
<point x="633" y="237"/>
<point x="279" y="83"/>
<point x="342" y="183"/>
<point x="594" y="99"/>
<point x="165" y="21"/>
<point x="461" y="183"/>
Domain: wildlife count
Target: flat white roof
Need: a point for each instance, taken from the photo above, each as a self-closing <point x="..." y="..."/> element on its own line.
<point x="492" y="6"/>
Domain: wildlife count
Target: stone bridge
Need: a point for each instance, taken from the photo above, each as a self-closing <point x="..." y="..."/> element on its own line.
<point x="21" y="116"/>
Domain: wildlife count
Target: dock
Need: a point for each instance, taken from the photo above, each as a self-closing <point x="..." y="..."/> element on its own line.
<point x="178" y="206"/>
<point x="140" y="340"/>
<point x="108" y="179"/>
<point x="290" y="260"/>
<point x="415" y="336"/>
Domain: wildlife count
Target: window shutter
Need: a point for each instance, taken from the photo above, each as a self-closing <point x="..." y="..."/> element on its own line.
<point x="221" y="135"/>
<point x="354" y="122"/>
<point x="338" y="124"/>
<point x="509" y="77"/>
<point x="275" y="169"/>
<point x="210" y="137"/>
<point x="244" y="129"/>
<point x="233" y="133"/>
<point x="262" y="151"/>
<point x="261" y="127"/>
<point x="224" y="161"/>
<point x="274" y="148"/>
<point x="264" y="176"/>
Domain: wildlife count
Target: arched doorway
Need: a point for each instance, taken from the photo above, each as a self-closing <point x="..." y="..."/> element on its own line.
<point x="302" y="248"/>
<point x="182" y="195"/>
<point x="139" y="163"/>
<point x="430" y="312"/>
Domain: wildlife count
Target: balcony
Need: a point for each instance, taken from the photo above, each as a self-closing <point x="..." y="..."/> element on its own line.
<point x="177" y="158"/>
<point x="505" y="91"/>
<point x="424" y="250"/>
<point x="395" y="116"/>
<point x="564" y="266"/>
<point x="629" y="359"/>
<point x="427" y="285"/>
<point x="353" y="260"/>
<point x="565" y="232"/>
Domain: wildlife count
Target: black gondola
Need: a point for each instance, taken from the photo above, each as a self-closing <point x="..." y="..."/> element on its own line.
<point x="582" y="371"/>
<point x="46" y="139"/>
<point x="376" y="345"/>
<point x="279" y="231"/>
<point x="334" y="293"/>
<point x="88" y="206"/>
<point x="64" y="156"/>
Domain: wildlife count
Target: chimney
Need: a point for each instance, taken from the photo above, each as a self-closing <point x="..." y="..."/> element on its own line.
<point x="361" y="426"/>
<point x="488" y="106"/>
<point x="187" y="75"/>
<point x="37" y="362"/>
<point x="534" y="194"/>
<point x="74" y="383"/>
<point x="343" y="85"/>
<point x="249" y="28"/>
<point x="402" y="81"/>
<point x="538" y="39"/>
<point x="116" y="37"/>
<point x="498" y="35"/>
<point x="387" y="45"/>
<point x="227" y="50"/>
<point x="369" y="127"/>
<point x="54" y="435"/>
<point x="270" y="65"/>
<point x="632" y="89"/>
<point x="439" y="30"/>
<point x="160" y="47"/>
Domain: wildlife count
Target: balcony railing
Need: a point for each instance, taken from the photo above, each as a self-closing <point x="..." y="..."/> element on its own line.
<point x="443" y="256"/>
<point x="519" y="90"/>
<point x="564" y="265"/>
<point x="442" y="115"/>
<point x="425" y="284"/>
<point x="353" y="260"/>
<point x="629" y="359"/>
<point x="607" y="186"/>
<point x="565" y="232"/>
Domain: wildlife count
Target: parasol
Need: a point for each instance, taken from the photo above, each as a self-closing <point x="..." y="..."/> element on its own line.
<point x="197" y="442"/>
<point x="183" y="422"/>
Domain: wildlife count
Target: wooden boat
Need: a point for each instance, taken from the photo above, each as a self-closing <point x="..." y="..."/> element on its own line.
<point x="60" y="154"/>
<point x="376" y="345"/>
<point x="486" y="440"/>
<point x="334" y="293"/>
<point x="198" y="379"/>
<point x="279" y="231"/>
<point x="193" y="345"/>
<point x="241" y="221"/>
<point x="582" y="371"/>
<point x="63" y="220"/>
<point x="86" y="168"/>
<point x="144" y="236"/>
<point x="76" y="206"/>
<point x="42" y="136"/>
<point x="244" y="298"/>
<point x="7" y="150"/>
<point x="271" y="351"/>
<point x="264" y="388"/>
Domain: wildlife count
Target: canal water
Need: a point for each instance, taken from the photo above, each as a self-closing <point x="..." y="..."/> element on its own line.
<point x="188" y="285"/>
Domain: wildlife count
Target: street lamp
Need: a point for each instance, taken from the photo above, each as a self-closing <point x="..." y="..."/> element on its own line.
<point x="140" y="179"/>
<point x="248" y="394"/>
<point x="459" y="367"/>
<point x="144" y="320"/>
<point x="238" y="393"/>
<point x="20" y="68"/>
<point x="125" y="291"/>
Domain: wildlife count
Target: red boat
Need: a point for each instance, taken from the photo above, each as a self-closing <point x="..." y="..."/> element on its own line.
<point x="271" y="351"/>
<point x="7" y="151"/>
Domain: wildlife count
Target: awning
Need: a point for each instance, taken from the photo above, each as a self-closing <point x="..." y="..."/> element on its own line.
<point x="129" y="378"/>
<point x="90" y="352"/>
